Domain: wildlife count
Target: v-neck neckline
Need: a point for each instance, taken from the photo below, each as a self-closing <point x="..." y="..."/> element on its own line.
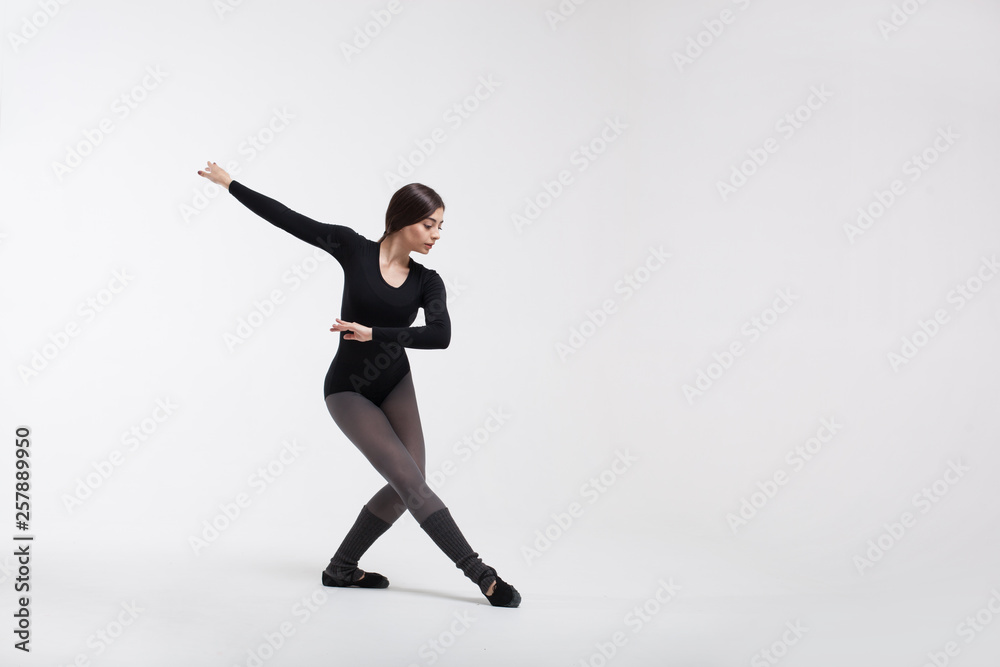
<point x="378" y="268"/>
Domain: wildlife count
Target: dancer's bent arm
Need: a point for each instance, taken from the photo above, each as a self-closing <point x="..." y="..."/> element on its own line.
<point x="436" y="334"/>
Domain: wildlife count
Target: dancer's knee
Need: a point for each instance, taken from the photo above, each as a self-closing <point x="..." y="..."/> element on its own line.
<point x="414" y="492"/>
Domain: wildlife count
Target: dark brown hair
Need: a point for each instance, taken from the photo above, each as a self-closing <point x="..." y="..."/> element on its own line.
<point x="410" y="204"/>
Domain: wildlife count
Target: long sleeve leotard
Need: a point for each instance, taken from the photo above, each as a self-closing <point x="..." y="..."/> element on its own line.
<point x="370" y="368"/>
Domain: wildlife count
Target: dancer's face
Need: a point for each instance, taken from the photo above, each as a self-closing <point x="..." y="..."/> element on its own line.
<point x="420" y="236"/>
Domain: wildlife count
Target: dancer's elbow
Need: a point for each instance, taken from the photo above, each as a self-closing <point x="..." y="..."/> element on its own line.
<point x="444" y="339"/>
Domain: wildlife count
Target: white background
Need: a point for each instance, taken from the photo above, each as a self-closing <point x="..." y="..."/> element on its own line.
<point x="198" y="262"/>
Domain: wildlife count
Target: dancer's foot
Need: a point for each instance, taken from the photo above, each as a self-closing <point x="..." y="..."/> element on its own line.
<point x="500" y="593"/>
<point x="358" y="578"/>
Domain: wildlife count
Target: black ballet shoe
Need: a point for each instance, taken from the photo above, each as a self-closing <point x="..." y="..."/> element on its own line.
<point x="504" y="595"/>
<point x="368" y="580"/>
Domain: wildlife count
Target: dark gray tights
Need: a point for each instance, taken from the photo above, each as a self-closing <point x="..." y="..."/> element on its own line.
<point x="391" y="438"/>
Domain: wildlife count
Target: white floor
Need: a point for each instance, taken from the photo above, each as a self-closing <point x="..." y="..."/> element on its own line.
<point x="581" y="602"/>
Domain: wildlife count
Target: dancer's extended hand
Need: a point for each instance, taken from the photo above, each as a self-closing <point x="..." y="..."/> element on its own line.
<point x="216" y="174"/>
<point x="357" y="331"/>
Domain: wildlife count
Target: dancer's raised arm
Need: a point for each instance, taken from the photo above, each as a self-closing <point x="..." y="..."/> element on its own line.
<point x="338" y="240"/>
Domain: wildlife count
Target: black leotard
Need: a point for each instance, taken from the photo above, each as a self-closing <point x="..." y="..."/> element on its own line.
<point x="370" y="368"/>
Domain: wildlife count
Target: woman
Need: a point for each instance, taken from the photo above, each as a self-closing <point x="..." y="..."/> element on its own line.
<point x="368" y="388"/>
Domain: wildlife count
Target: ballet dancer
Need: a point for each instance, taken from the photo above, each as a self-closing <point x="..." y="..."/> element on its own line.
<point x="368" y="388"/>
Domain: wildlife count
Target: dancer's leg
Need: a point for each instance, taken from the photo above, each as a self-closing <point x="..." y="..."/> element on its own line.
<point x="382" y="510"/>
<point x="400" y="408"/>
<point x="442" y="529"/>
<point x="343" y="569"/>
<point x="369" y="429"/>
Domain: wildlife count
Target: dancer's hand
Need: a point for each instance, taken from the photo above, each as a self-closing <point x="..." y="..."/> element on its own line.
<point x="216" y="174"/>
<point x="358" y="331"/>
